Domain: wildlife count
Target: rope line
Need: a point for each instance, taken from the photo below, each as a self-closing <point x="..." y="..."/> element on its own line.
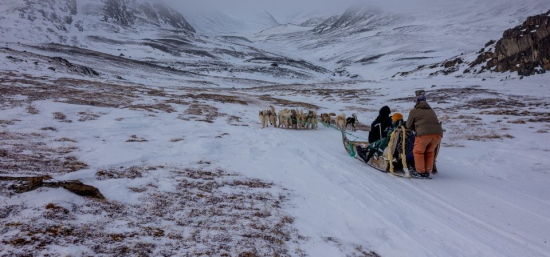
<point x="347" y="133"/>
<point x="331" y="126"/>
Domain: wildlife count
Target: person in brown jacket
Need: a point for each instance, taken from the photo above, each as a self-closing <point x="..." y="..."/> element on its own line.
<point x="423" y="120"/>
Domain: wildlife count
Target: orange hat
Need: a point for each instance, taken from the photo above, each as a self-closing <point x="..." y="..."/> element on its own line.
<point x="397" y="116"/>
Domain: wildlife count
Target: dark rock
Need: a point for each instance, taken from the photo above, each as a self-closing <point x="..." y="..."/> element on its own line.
<point x="126" y="13"/>
<point x="83" y="70"/>
<point x="524" y="49"/>
<point x="119" y="11"/>
<point x="78" y="188"/>
<point x="453" y="63"/>
<point x="26" y="184"/>
<point x="489" y="43"/>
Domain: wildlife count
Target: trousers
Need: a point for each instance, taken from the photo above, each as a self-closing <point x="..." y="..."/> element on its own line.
<point x="424" y="150"/>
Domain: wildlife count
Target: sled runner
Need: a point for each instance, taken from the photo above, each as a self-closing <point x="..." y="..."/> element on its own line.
<point x="396" y="159"/>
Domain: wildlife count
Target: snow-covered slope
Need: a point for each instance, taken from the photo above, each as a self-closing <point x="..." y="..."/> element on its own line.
<point x="162" y="119"/>
<point x="378" y="42"/>
<point x="69" y="21"/>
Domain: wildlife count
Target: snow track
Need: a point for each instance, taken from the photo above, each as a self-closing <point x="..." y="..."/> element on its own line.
<point x="461" y="212"/>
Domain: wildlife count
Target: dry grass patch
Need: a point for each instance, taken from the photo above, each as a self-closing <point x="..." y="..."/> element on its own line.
<point x="154" y="107"/>
<point x="5" y="123"/>
<point x="489" y="103"/>
<point x="444" y="95"/>
<point x="447" y="144"/>
<point x="352" y="250"/>
<point x="49" y="129"/>
<point x="121" y="172"/>
<point x="218" y="98"/>
<point x="491" y="136"/>
<point x="136" y="139"/>
<point x="287" y="103"/>
<point x="59" y="116"/>
<point x="517" y="121"/>
<point x="208" y="113"/>
<point x="212" y="213"/>
<point x="64" y="139"/>
<point x="88" y="116"/>
<point x="28" y="154"/>
<point x="31" y="109"/>
<point x="468" y="117"/>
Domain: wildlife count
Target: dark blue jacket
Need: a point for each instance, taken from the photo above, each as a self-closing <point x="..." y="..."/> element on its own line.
<point x="385" y="122"/>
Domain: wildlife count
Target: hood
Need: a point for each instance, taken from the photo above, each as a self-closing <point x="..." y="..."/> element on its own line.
<point x="422" y="105"/>
<point x="384" y="112"/>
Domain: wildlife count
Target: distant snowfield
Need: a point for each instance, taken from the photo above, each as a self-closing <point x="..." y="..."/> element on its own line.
<point x="175" y="145"/>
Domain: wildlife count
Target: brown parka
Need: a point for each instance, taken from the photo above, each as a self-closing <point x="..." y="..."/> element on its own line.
<point x="423" y="120"/>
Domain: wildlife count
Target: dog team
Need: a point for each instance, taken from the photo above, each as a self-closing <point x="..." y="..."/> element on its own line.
<point x="289" y="118"/>
<point x="341" y="121"/>
<point x="292" y="118"/>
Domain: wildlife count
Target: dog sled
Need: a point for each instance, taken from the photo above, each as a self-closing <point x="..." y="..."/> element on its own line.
<point x="396" y="159"/>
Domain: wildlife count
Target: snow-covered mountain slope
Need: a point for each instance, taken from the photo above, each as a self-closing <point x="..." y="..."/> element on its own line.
<point x="188" y="169"/>
<point x="70" y="21"/>
<point x="365" y="39"/>
<point x="163" y="123"/>
<point x="149" y="32"/>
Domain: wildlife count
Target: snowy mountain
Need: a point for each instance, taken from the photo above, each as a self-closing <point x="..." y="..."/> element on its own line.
<point x="68" y="21"/>
<point x="364" y="39"/>
<point x="132" y="128"/>
<point x="358" y="19"/>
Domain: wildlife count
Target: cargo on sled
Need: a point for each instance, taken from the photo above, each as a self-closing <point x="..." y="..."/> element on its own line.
<point x="397" y="158"/>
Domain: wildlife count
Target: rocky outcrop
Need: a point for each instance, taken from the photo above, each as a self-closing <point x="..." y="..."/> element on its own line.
<point x="128" y="12"/>
<point x="64" y="15"/>
<point x="120" y="12"/>
<point x="26" y="184"/>
<point x="356" y="19"/>
<point x="74" y="68"/>
<point x="525" y="48"/>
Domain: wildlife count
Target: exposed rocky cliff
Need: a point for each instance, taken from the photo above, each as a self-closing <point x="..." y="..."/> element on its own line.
<point x="525" y="48"/>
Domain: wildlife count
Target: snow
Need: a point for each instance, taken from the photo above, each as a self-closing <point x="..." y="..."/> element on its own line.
<point x="489" y="199"/>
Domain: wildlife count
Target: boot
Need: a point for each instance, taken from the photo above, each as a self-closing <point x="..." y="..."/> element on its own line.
<point x="364" y="153"/>
<point x="360" y="151"/>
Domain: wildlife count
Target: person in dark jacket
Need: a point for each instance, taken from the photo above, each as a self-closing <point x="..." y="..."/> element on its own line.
<point x="380" y="125"/>
<point x="423" y="120"/>
<point x="378" y="147"/>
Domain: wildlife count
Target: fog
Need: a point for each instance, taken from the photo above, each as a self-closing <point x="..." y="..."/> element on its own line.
<point x="320" y="6"/>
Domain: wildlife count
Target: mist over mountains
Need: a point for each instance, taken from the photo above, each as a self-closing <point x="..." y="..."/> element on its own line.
<point x="249" y="39"/>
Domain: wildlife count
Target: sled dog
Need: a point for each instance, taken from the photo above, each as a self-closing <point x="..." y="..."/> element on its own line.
<point x="351" y="121"/>
<point x="284" y="118"/>
<point x="341" y="121"/>
<point x="294" y="119"/>
<point x="311" y="119"/>
<point x="325" y="119"/>
<point x="273" y="116"/>
<point x="268" y="116"/>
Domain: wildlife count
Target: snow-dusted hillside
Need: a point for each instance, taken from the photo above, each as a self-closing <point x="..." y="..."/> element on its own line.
<point x="377" y="42"/>
<point x="155" y="110"/>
